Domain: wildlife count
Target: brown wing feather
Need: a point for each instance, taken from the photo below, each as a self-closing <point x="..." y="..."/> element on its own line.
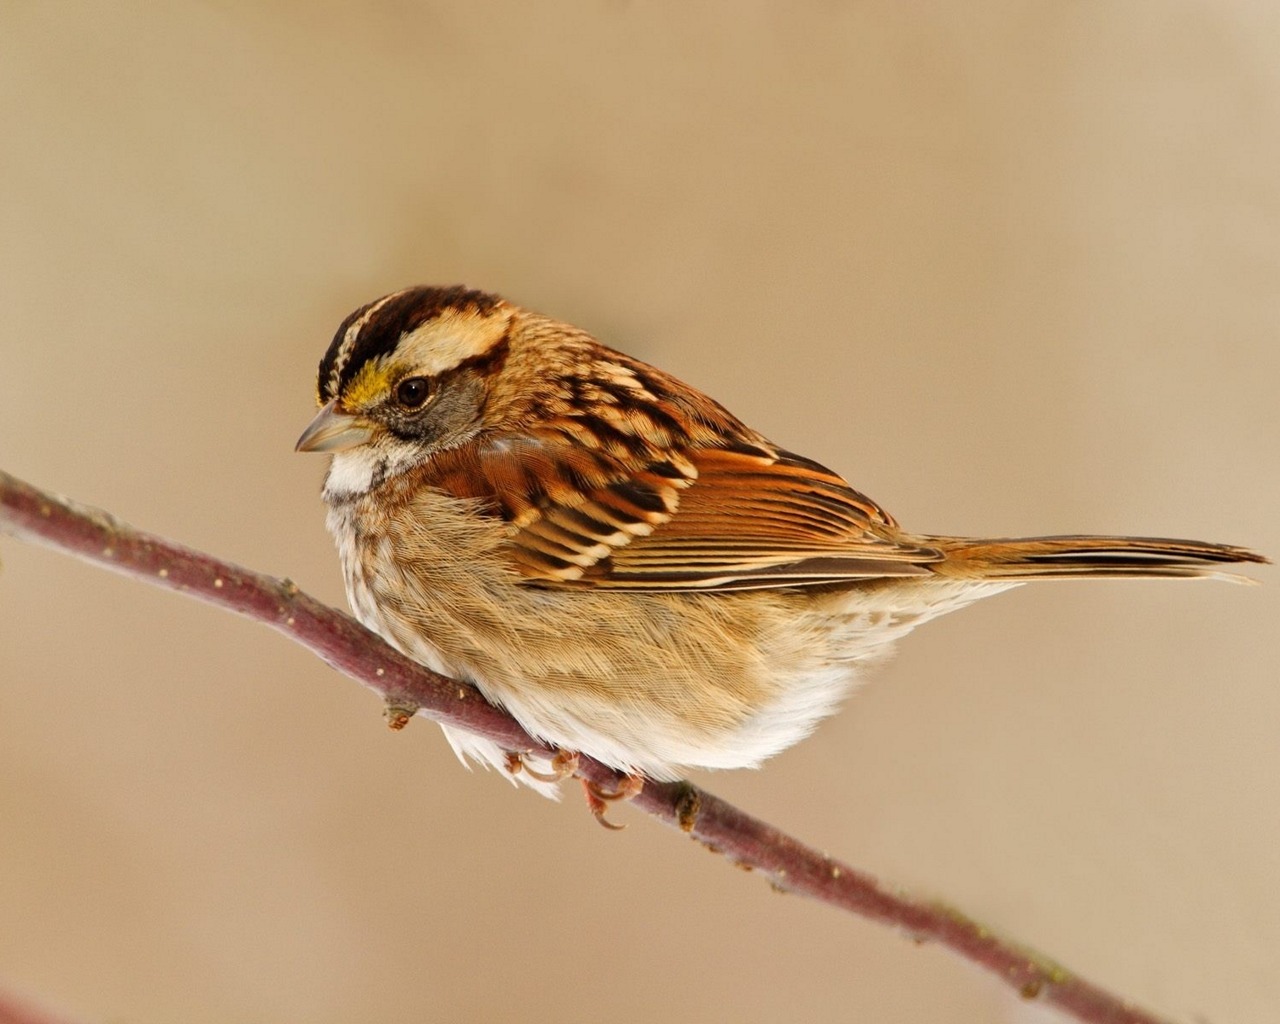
<point x="758" y="517"/>
<point x="725" y="518"/>
<point x="569" y="505"/>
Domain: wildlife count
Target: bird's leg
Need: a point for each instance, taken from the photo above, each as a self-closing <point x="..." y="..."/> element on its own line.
<point x="599" y="799"/>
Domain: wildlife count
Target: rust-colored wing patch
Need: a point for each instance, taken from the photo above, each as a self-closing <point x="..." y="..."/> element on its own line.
<point x="570" y="505"/>
<point x="758" y="517"/>
<point x="744" y="516"/>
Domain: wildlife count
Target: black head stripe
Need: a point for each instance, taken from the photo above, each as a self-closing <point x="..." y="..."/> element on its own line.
<point x="395" y="317"/>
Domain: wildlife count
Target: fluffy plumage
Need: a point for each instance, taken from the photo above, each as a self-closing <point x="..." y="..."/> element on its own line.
<point x="615" y="558"/>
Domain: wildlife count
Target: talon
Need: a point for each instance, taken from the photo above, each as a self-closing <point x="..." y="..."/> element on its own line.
<point x="598" y="800"/>
<point x="563" y="766"/>
<point x="514" y="762"/>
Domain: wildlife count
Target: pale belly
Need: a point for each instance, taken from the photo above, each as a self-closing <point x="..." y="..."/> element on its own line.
<point x="648" y="683"/>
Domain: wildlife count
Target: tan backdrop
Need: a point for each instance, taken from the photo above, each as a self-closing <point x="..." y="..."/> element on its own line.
<point x="1011" y="268"/>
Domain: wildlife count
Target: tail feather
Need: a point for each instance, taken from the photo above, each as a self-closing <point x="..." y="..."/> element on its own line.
<point x="1075" y="556"/>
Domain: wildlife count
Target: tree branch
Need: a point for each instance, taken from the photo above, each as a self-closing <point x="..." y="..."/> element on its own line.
<point x="407" y="687"/>
<point x="16" y="1011"/>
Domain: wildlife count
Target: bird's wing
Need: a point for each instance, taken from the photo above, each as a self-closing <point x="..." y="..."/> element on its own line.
<point x="734" y="516"/>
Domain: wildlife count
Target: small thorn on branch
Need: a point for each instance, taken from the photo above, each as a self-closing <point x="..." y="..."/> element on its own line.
<point x="688" y="807"/>
<point x="397" y="713"/>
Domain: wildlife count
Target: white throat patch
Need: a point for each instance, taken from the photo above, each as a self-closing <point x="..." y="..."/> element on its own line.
<point x="352" y="473"/>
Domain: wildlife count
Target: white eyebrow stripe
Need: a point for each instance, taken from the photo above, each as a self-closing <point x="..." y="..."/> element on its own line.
<point x="446" y="342"/>
<point x="349" y="339"/>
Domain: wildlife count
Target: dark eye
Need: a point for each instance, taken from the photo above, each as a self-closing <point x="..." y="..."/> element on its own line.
<point x="413" y="391"/>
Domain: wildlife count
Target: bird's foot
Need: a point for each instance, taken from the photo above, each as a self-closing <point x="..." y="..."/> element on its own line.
<point x="563" y="765"/>
<point x="599" y="799"/>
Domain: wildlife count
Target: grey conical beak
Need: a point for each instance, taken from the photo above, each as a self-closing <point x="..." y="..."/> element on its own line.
<point x="334" y="431"/>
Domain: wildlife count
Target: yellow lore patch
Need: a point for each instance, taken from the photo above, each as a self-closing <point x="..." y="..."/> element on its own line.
<point x="371" y="382"/>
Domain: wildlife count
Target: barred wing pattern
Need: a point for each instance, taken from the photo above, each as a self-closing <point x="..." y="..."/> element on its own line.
<point x="741" y="516"/>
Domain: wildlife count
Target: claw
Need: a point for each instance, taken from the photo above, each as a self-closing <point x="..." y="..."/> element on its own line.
<point x="564" y="765"/>
<point x="598" y="800"/>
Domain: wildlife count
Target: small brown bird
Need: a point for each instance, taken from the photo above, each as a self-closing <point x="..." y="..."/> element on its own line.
<point x="613" y="557"/>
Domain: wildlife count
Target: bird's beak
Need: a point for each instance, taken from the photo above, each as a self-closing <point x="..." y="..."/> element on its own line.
<point x="334" y="431"/>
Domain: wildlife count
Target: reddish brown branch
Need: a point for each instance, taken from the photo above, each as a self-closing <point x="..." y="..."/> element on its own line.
<point x="96" y="536"/>
<point x="14" y="1011"/>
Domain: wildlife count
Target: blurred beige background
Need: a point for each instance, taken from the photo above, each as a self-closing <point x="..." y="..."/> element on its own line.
<point x="1011" y="268"/>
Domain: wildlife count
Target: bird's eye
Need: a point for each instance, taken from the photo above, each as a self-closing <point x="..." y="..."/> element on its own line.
<point x="413" y="391"/>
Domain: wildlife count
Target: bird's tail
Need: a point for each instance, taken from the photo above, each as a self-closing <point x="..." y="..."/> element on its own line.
<point x="1025" y="558"/>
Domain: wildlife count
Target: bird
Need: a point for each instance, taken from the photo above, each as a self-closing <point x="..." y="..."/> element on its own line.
<point x="613" y="557"/>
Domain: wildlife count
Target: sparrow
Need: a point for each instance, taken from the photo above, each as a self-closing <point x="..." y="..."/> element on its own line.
<point x="628" y="569"/>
